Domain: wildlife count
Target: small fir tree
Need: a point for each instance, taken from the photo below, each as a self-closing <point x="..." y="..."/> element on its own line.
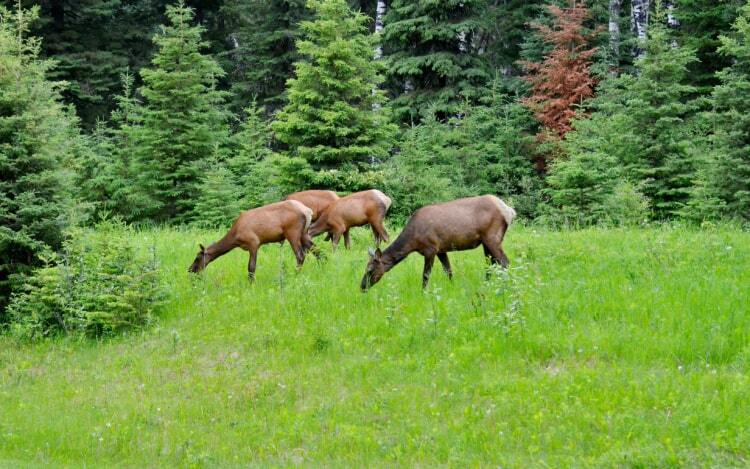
<point x="182" y="121"/>
<point x="219" y="201"/>
<point x="252" y="166"/>
<point x="329" y="120"/>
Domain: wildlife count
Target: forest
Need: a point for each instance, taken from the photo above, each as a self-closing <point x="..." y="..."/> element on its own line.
<point x="131" y="131"/>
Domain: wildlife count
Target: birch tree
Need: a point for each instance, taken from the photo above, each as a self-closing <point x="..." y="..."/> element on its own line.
<point x="639" y="23"/>
<point x="614" y="34"/>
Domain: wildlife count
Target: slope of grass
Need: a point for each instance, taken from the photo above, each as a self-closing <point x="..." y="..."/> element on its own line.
<point x="598" y="348"/>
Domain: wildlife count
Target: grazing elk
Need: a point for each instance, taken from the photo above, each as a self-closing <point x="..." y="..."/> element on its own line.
<point x="272" y="223"/>
<point x="437" y="229"/>
<point x="317" y="200"/>
<point x="353" y="210"/>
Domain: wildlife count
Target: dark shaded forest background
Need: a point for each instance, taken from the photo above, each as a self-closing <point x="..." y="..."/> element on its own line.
<point x="619" y="112"/>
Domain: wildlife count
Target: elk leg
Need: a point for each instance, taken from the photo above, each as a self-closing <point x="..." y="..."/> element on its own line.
<point x="446" y="264"/>
<point x="347" y="241"/>
<point x="251" y="264"/>
<point x="496" y="254"/>
<point x="335" y="236"/>
<point x="428" y="261"/>
<point x="299" y="251"/>
<point x="309" y="246"/>
<point x="379" y="229"/>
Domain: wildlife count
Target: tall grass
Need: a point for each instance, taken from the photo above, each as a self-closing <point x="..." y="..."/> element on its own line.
<point x="597" y="348"/>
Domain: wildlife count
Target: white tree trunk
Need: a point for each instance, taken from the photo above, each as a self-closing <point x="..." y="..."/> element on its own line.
<point x="462" y="45"/>
<point x="639" y="22"/>
<point x="614" y="34"/>
<point x="672" y="20"/>
<point x="379" y="15"/>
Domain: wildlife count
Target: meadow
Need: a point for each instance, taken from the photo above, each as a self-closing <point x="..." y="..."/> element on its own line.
<point x="598" y="348"/>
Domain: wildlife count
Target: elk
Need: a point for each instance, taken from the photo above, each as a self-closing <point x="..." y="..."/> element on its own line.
<point x="272" y="223"/>
<point x="317" y="200"/>
<point x="357" y="209"/>
<point x="435" y="230"/>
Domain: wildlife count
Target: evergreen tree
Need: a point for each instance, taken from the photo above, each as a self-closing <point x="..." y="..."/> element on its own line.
<point x="727" y="176"/>
<point x="37" y="137"/>
<point x="432" y="63"/>
<point x="182" y="123"/>
<point x="219" y="201"/>
<point x="252" y="165"/>
<point x="329" y="120"/>
<point x="107" y="176"/>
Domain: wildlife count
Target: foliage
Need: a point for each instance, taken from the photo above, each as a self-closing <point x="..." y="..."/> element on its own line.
<point x="638" y="132"/>
<point x="38" y="137"/>
<point x="102" y="283"/>
<point x="488" y="150"/>
<point x="219" y="200"/>
<point x="563" y="80"/>
<point x="701" y="23"/>
<point x="725" y="175"/>
<point x="263" y="51"/>
<point x="182" y="124"/>
<point x="432" y="64"/>
<point x="333" y="118"/>
<point x="252" y="166"/>
<point x="422" y="172"/>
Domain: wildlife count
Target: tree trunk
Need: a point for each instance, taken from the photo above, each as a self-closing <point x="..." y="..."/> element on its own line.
<point x="614" y="35"/>
<point x="379" y="15"/>
<point x="639" y="23"/>
<point x="672" y="20"/>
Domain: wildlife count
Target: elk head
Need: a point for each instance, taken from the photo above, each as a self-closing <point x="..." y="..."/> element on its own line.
<point x="200" y="261"/>
<point x="375" y="269"/>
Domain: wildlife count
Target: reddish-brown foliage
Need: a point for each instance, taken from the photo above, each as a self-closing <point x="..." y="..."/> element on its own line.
<point x="563" y="79"/>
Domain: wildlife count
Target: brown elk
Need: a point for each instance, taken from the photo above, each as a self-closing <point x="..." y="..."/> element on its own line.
<point x="317" y="200"/>
<point x="435" y="230"/>
<point x="357" y="209"/>
<point x="272" y="223"/>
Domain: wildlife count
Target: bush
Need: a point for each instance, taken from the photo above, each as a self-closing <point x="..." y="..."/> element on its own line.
<point x="100" y="285"/>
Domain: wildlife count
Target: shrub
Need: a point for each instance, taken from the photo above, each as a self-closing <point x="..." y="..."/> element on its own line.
<point x="101" y="284"/>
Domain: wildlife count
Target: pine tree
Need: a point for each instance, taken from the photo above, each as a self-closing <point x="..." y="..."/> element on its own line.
<point x="432" y="65"/>
<point x="37" y="139"/>
<point x="563" y="80"/>
<point x="329" y="120"/>
<point x="728" y="172"/>
<point x="183" y="125"/>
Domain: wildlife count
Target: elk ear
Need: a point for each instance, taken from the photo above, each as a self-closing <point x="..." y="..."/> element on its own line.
<point x="378" y="253"/>
<point x="371" y="252"/>
<point x="201" y="246"/>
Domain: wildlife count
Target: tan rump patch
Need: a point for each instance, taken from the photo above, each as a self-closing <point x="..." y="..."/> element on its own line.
<point x="383" y="198"/>
<point x="508" y="213"/>
<point x="307" y="211"/>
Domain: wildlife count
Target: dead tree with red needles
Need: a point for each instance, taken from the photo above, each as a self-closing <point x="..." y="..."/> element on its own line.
<point x="562" y="80"/>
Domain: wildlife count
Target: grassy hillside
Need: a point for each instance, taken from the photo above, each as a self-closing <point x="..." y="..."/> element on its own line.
<point x="599" y="348"/>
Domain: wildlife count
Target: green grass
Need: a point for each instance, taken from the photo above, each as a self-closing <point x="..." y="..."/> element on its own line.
<point x="606" y="348"/>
